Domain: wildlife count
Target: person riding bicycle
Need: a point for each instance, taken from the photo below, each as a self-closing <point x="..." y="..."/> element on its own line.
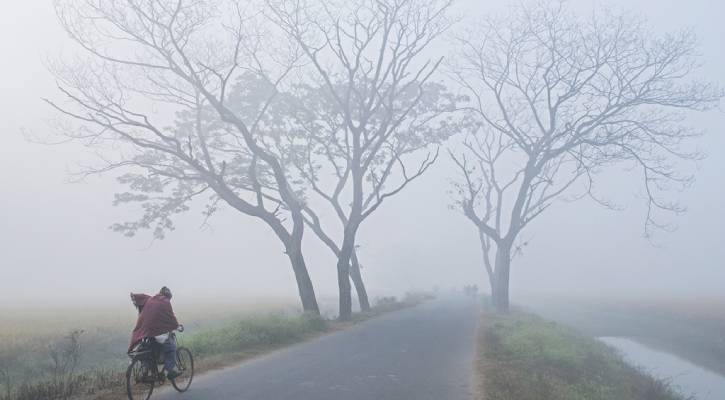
<point x="156" y="320"/>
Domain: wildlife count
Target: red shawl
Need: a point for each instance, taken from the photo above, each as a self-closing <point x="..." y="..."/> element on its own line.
<point x="155" y="317"/>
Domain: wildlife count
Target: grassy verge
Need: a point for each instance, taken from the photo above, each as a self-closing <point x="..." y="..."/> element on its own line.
<point x="524" y="357"/>
<point x="216" y="347"/>
<point x="691" y="329"/>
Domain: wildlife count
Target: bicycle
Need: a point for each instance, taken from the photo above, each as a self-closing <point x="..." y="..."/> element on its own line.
<point x="143" y="372"/>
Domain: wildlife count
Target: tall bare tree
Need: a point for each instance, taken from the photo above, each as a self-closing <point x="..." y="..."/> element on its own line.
<point x="555" y="100"/>
<point x="150" y="60"/>
<point x="326" y="161"/>
<point x="368" y="56"/>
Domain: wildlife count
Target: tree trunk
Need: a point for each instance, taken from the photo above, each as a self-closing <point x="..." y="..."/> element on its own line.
<point x="343" y="275"/>
<point x="492" y="284"/>
<point x="304" y="283"/>
<point x="501" y="277"/>
<point x="362" y="294"/>
<point x="343" y="283"/>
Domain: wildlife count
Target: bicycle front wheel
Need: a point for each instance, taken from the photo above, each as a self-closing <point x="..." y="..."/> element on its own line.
<point x="185" y="364"/>
<point x="140" y="380"/>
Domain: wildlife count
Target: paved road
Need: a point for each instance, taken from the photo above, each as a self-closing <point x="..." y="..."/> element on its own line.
<point x="421" y="353"/>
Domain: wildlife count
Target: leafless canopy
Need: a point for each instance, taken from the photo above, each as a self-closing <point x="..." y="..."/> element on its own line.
<point x="371" y="102"/>
<point x="563" y="97"/>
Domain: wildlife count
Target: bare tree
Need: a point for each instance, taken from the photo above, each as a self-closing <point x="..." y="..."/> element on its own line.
<point x="377" y="106"/>
<point x="555" y="100"/>
<point x="152" y="59"/>
<point x="325" y="162"/>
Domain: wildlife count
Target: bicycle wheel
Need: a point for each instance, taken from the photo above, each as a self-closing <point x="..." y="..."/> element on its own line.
<point x="185" y="364"/>
<point x="139" y="380"/>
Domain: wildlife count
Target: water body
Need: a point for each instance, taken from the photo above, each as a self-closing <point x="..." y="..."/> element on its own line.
<point x="688" y="377"/>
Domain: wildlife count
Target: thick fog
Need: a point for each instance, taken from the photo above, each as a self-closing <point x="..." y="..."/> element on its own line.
<point x="57" y="249"/>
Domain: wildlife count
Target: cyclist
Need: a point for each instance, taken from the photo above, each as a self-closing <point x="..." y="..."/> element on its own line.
<point x="156" y="320"/>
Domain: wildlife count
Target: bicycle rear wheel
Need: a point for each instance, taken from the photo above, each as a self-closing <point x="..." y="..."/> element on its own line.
<point x="185" y="364"/>
<point x="140" y="380"/>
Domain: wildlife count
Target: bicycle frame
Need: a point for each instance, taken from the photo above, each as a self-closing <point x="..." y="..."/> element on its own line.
<point x="150" y="357"/>
<point x="144" y="373"/>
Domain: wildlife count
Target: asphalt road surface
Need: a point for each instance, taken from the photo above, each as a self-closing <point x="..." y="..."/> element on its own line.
<point x="421" y="353"/>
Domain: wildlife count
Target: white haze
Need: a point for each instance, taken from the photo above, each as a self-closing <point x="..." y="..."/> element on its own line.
<point x="56" y="248"/>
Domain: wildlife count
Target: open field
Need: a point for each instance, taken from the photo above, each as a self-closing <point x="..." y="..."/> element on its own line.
<point x="690" y="329"/>
<point x="524" y="357"/>
<point x="26" y="336"/>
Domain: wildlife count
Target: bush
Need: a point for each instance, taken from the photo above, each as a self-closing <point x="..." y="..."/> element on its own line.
<point x="386" y="301"/>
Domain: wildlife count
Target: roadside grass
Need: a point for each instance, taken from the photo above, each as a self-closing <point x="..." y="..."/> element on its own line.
<point x="689" y="328"/>
<point x="255" y="333"/>
<point x="220" y="345"/>
<point x="524" y="357"/>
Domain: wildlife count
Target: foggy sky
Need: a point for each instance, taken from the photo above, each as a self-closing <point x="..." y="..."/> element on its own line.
<point x="56" y="248"/>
